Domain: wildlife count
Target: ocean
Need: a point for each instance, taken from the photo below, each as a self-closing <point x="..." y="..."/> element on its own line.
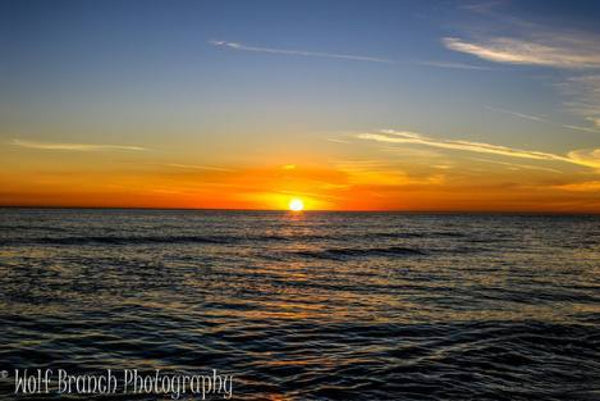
<point x="309" y="306"/>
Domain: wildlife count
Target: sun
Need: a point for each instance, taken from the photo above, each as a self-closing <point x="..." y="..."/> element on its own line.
<point x="296" y="205"/>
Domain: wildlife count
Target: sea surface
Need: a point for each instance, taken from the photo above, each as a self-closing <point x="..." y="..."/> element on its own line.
<point x="310" y="306"/>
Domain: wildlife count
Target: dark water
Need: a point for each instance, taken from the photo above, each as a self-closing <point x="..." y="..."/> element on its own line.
<point x="323" y="306"/>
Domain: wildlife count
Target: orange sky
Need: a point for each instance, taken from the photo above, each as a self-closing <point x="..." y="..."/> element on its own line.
<point x="448" y="185"/>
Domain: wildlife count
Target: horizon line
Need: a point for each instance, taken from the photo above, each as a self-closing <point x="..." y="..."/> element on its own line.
<point x="400" y="211"/>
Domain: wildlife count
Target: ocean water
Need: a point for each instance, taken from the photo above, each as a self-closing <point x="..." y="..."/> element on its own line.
<point x="316" y="306"/>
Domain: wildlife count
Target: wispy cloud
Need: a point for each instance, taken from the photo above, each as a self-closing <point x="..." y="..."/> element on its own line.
<point x="380" y="173"/>
<point x="482" y="7"/>
<point x="587" y="158"/>
<point x="586" y="186"/>
<point x="544" y="120"/>
<point x="391" y="136"/>
<point x="75" y="147"/>
<point x="242" y="47"/>
<point x="582" y="129"/>
<point x="516" y="114"/>
<point x="200" y="167"/>
<point x="584" y="96"/>
<point x="459" y="66"/>
<point x="554" y="51"/>
<point x="535" y="45"/>
<point x="336" y="140"/>
<point x="306" y="53"/>
<point x="595" y="121"/>
<point x="517" y="166"/>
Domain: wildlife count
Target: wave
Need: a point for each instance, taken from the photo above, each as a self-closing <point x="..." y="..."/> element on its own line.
<point x="117" y="240"/>
<point x="395" y="235"/>
<point x="27" y="227"/>
<point x="123" y="239"/>
<point x="153" y="239"/>
<point x="344" y="253"/>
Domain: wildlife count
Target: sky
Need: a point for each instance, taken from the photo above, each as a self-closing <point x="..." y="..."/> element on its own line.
<point x="347" y="105"/>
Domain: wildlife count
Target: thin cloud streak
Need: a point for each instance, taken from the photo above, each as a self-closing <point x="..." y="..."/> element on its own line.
<point x="583" y="129"/>
<point x="516" y="114"/>
<point x="459" y="66"/>
<point x="200" y="167"/>
<point x="586" y="186"/>
<point x="518" y="166"/>
<point x="587" y="158"/>
<point x="304" y="53"/>
<point x="542" y="120"/>
<point x="239" y="46"/>
<point x="336" y="140"/>
<point x="584" y="91"/>
<point x="75" y="147"/>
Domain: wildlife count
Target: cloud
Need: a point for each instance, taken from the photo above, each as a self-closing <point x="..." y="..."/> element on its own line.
<point x="391" y="136"/>
<point x="536" y="45"/>
<point x="555" y="51"/>
<point x="595" y="121"/>
<point x="305" y="53"/>
<point x="587" y="158"/>
<point x="586" y="186"/>
<point x="517" y="166"/>
<point x="336" y="140"/>
<point x="583" y="129"/>
<point x="75" y="147"/>
<point x="546" y="121"/>
<point x="200" y="167"/>
<point x="381" y="173"/>
<point x="239" y="46"/>
<point x="584" y="94"/>
<point x="460" y="66"/>
<point x="482" y="7"/>
<point x="517" y="114"/>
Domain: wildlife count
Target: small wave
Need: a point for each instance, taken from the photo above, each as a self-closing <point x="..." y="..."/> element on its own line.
<point x="118" y="240"/>
<point x="25" y="227"/>
<point x="156" y="239"/>
<point x="395" y="235"/>
<point x="344" y="253"/>
<point x="451" y="234"/>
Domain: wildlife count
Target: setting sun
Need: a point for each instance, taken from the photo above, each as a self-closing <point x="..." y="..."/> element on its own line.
<point x="296" y="205"/>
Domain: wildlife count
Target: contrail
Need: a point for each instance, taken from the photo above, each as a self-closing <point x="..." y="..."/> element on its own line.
<point x="239" y="46"/>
